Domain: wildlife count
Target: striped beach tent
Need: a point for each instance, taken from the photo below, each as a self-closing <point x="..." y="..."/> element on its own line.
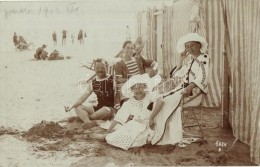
<point x="232" y="30"/>
<point x="179" y="19"/>
<point x="243" y="25"/>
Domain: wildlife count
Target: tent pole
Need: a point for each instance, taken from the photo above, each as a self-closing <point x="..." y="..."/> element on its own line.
<point x="226" y="70"/>
<point x="225" y="94"/>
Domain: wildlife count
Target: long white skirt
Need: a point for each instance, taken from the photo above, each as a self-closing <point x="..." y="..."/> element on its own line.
<point x="168" y="129"/>
<point x="131" y="134"/>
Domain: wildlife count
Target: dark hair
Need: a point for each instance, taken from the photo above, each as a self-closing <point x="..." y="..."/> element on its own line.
<point x="126" y="42"/>
<point x="199" y="44"/>
<point x="99" y="60"/>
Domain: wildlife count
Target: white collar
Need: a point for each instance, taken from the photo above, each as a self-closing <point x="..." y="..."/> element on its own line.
<point x="98" y="79"/>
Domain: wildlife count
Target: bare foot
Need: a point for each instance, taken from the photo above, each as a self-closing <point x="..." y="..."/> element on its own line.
<point x="89" y="125"/>
<point x="98" y="136"/>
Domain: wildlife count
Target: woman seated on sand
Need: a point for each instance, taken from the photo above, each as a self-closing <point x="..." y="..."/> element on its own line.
<point x="136" y="115"/>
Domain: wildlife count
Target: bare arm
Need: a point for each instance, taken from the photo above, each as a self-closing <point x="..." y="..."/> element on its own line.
<point x="183" y="55"/>
<point x="154" y="65"/>
<point x="119" y="72"/>
<point x="156" y="110"/>
<point x="81" y="100"/>
<point x="112" y="125"/>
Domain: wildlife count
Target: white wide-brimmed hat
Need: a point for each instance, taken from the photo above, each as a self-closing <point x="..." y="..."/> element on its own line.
<point x="144" y="78"/>
<point x="191" y="37"/>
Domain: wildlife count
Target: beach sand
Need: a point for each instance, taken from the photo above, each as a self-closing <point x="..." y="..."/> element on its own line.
<point x="36" y="91"/>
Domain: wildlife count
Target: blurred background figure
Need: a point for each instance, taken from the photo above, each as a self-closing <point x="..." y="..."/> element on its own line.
<point x="72" y="39"/>
<point x="80" y="37"/>
<point x="55" y="55"/>
<point x="21" y="40"/>
<point x="64" y="35"/>
<point x="127" y="33"/>
<point x="22" y="44"/>
<point x="54" y="38"/>
<point x="41" y="53"/>
<point x="15" y="39"/>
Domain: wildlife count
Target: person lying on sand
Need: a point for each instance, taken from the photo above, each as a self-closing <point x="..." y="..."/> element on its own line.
<point x="55" y="55"/>
<point x="103" y="86"/>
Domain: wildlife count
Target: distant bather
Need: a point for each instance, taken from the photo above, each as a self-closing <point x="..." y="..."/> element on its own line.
<point x="41" y="53"/>
<point x="55" y="55"/>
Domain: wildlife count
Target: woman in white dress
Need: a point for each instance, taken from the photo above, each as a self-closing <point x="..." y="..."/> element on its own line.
<point x="136" y="115"/>
<point x="168" y="130"/>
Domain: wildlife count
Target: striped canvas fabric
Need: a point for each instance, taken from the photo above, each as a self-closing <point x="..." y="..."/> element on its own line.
<point x="243" y="51"/>
<point x="191" y="16"/>
<point x="139" y="24"/>
<point x="141" y="28"/>
<point x="215" y="37"/>
<point x="184" y="17"/>
<point x="167" y="49"/>
<point x="181" y="12"/>
<point x="151" y="35"/>
<point x="243" y="19"/>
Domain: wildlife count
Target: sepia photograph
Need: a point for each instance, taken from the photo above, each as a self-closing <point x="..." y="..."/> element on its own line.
<point x="124" y="83"/>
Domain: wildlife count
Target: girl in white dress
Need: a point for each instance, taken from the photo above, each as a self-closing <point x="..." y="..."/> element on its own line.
<point x="136" y="115"/>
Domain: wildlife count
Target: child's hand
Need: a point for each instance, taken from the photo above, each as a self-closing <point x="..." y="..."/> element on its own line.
<point x="130" y="118"/>
<point x="67" y="108"/>
<point x="151" y="73"/>
<point x="110" y="131"/>
<point x="152" y="124"/>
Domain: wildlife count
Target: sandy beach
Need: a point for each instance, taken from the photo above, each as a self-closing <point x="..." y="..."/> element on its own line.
<point x="32" y="91"/>
<point x="36" y="131"/>
<point x="35" y="91"/>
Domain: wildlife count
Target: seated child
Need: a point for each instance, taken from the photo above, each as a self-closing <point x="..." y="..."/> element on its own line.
<point x="136" y="117"/>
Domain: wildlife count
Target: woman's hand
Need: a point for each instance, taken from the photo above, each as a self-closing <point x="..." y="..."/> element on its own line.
<point x="130" y="118"/>
<point x="187" y="91"/>
<point x="152" y="123"/>
<point x="184" y="54"/>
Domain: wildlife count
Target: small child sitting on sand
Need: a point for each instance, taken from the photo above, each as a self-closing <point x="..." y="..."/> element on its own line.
<point x="136" y="117"/>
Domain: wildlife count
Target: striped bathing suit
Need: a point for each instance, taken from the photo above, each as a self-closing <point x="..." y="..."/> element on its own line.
<point x="132" y="67"/>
